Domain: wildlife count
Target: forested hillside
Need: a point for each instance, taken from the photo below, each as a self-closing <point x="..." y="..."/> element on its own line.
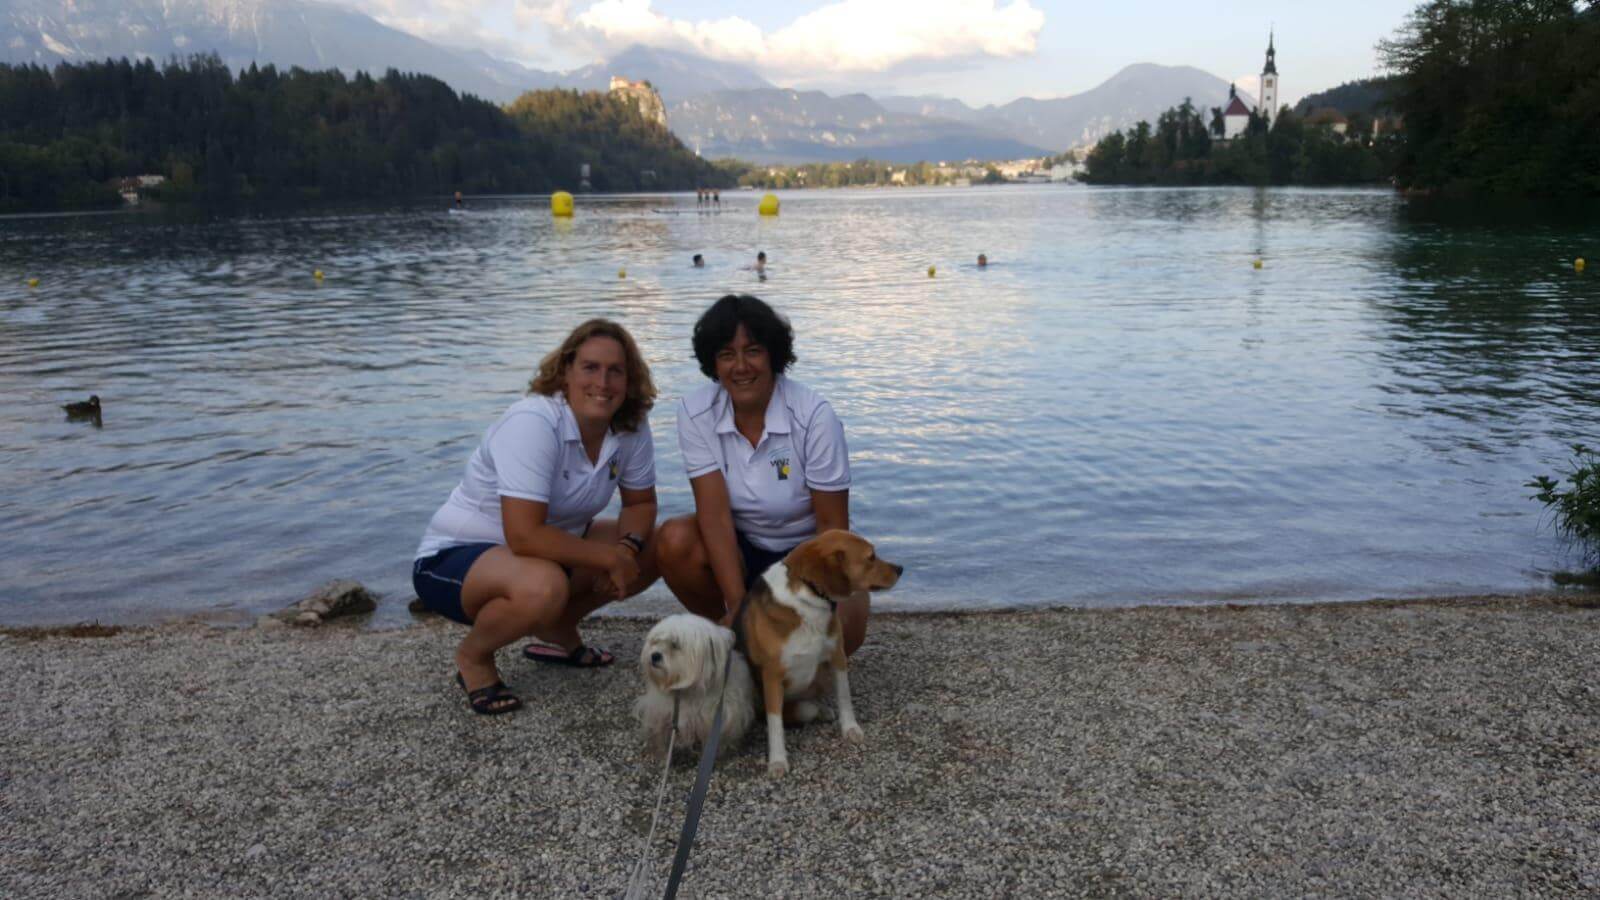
<point x="67" y="135"/>
<point x="1499" y="96"/>
<point x="1369" y="97"/>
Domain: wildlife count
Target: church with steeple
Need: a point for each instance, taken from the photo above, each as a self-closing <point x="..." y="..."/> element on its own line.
<point x="1269" y="85"/>
<point x="1236" y="116"/>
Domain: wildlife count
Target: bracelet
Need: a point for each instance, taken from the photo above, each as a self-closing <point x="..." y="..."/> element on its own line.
<point x="632" y="542"/>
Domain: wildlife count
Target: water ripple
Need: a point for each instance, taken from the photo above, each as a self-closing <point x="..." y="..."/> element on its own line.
<point x="1119" y="409"/>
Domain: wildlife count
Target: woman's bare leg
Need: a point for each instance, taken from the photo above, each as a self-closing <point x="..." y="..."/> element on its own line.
<point x="507" y="597"/>
<point x="680" y="556"/>
<point x="591" y="589"/>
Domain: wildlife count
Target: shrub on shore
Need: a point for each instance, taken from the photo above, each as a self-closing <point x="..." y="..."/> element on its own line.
<point x="1577" y="508"/>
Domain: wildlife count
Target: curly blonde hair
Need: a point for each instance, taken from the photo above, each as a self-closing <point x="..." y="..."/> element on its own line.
<point x="551" y="378"/>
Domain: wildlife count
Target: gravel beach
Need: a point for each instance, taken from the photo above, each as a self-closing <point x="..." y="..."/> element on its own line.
<point x="1436" y="748"/>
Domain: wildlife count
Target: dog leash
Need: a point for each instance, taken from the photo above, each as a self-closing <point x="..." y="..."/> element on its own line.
<point x="639" y="880"/>
<point x="702" y="778"/>
<point x="697" y="796"/>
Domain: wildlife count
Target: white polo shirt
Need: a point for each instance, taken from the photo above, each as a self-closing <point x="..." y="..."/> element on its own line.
<point x="801" y="449"/>
<point x="534" y="452"/>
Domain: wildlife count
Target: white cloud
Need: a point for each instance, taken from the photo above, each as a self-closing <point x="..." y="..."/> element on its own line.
<point x="475" y="24"/>
<point x="848" y="36"/>
<point x="530" y="13"/>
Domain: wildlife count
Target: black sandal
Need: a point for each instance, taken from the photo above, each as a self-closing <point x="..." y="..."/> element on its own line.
<point x="485" y="701"/>
<point x="585" y="657"/>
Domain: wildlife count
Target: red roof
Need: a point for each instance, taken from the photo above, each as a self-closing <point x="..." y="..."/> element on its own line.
<point x="1236" y="108"/>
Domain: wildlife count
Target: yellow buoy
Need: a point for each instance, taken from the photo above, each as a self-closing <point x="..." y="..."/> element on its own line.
<point x="1256" y="264"/>
<point x="317" y="274"/>
<point x="769" y="205"/>
<point x="561" y="204"/>
<point x="932" y="271"/>
<point x="1577" y="264"/>
<point x="622" y="273"/>
<point x="34" y="282"/>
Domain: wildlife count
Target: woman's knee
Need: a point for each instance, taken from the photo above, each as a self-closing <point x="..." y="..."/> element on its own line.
<point x="678" y="546"/>
<point x="539" y="601"/>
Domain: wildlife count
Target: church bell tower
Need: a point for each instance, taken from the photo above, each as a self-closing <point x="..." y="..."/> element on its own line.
<point x="1269" y="84"/>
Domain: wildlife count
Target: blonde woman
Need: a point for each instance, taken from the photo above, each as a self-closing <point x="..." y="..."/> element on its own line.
<point x="517" y="550"/>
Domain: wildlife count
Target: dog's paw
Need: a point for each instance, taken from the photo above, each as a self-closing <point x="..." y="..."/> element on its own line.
<point x="811" y="711"/>
<point x="853" y="733"/>
<point x="778" y="768"/>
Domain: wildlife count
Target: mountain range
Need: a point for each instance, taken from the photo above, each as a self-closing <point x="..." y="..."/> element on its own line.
<point x="718" y="108"/>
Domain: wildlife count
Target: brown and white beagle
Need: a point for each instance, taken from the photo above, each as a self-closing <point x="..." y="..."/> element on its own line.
<point x="789" y="626"/>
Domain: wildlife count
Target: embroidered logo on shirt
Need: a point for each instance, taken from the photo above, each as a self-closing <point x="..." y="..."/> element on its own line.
<point x="613" y="470"/>
<point x="780" y="463"/>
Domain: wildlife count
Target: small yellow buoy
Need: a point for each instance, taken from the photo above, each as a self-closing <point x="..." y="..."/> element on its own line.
<point x="769" y="205"/>
<point x="1256" y="264"/>
<point x="1577" y="264"/>
<point x="932" y="271"/>
<point x="561" y="204"/>
<point x="317" y="274"/>
<point x="622" y="273"/>
<point x="34" y="282"/>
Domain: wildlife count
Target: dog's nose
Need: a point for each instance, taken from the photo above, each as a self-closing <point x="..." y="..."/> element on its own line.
<point x="655" y="658"/>
<point x="898" y="570"/>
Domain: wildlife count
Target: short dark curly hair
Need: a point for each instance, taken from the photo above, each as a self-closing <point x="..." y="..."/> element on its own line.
<point x="718" y="325"/>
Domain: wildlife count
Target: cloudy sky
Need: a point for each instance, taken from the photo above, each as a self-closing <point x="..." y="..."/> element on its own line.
<point x="980" y="51"/>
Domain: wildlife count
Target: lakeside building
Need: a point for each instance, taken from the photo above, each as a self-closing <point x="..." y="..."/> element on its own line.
<point x="132" y="186"/>
<point x="1066" y="170"/>
<point x="1329" y="118"/>
<point x="1236" y="115"/>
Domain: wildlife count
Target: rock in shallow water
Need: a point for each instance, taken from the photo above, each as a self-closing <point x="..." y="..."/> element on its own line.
<point x="335" y="599"/>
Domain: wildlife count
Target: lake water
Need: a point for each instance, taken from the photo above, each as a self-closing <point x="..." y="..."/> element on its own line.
<point x="1121" y="409"/>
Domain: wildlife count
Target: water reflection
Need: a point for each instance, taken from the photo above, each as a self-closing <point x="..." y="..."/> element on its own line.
<point x="1119" y="409"/>
<point x="1486" y="326"/>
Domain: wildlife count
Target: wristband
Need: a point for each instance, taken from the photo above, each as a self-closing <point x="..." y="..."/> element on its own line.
<point x="632" y="542"/>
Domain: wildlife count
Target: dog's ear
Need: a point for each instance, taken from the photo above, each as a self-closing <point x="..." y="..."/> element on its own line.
<point x="836" y="577"/>
<point x="814" y="562"/>
<point x="711" y="664"/>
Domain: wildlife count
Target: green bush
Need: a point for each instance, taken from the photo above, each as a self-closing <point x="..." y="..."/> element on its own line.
<point x="1577" y="508"/>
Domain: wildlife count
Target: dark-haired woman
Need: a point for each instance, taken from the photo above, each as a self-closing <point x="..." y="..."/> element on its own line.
<point x="517" y="550"/>
<point x="767" y="462"/>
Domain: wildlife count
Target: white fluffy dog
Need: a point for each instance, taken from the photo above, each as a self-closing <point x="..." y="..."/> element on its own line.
<point x="685" y="655"/>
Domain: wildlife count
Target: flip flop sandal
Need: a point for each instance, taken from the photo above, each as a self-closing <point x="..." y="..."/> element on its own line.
<point x="490" y="700"/>
<point x="584" y="657"/>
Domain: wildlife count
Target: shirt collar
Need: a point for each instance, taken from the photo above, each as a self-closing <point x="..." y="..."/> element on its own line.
<point x="569" y="422"/>
<point x="777" y="421"/>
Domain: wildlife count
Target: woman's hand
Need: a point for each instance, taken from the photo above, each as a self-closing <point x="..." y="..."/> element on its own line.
<point x="731" y="604"/>
<point x="623" y="571"/>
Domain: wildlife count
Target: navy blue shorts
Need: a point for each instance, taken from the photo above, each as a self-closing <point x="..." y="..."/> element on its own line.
<point x="756" y="559"/>
<point x="438" y="579"/>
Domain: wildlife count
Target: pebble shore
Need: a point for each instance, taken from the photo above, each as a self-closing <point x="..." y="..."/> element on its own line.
<point x="1441" y="748"/>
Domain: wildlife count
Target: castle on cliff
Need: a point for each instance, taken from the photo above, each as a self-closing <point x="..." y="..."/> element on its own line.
<point x="643" y="95"/>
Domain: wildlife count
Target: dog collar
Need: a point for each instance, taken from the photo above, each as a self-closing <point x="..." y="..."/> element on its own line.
<point x="832" y="604"/>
